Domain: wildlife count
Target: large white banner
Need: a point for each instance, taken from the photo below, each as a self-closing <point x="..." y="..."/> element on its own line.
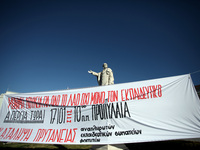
<point x="152" y="110"/>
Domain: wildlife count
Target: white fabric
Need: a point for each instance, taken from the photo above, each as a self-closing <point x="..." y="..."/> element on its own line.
<point x="152" y="110"/>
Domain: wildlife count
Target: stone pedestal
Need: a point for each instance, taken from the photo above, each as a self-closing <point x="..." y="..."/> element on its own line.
<point x="110" y="147"/>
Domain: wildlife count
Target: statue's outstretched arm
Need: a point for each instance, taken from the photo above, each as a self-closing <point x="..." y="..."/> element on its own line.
<point x="92" y="72"/>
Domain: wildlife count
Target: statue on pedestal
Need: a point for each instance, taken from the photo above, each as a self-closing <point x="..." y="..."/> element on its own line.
<point x="105" y="77"/>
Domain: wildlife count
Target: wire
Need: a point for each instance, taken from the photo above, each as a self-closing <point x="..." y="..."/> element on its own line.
<point x="195" y="72"/>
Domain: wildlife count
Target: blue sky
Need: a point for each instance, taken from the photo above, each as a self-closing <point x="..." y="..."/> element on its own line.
<point x="50" y="45"/>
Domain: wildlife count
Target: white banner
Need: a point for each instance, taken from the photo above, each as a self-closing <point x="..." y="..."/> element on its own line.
<point x="152" y="110"/>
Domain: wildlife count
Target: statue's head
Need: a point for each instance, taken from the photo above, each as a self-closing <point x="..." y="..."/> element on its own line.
<point x="105" y="65"/>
